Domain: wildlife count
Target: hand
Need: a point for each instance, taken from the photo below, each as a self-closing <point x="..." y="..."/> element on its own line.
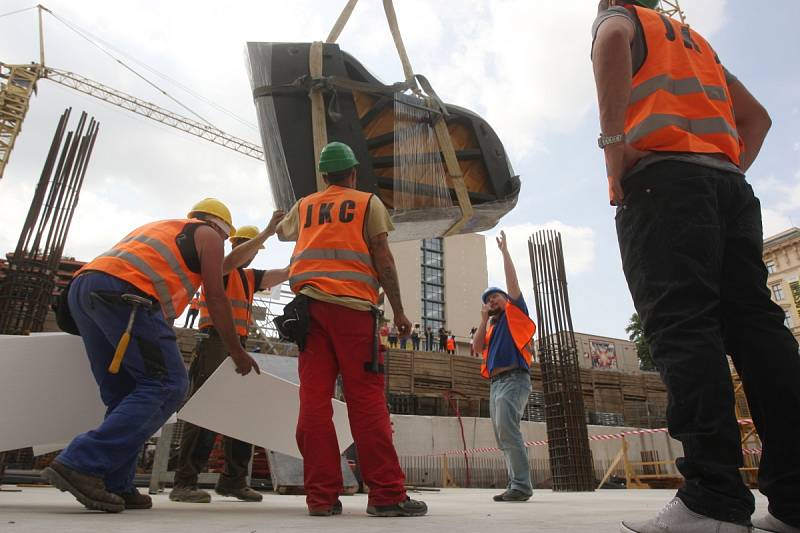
<point x="620" y="158"/>
<point x="277" y="216"/>
<point x="485" y="308"/>
<point x="501" y="242"/>
<point x="403" y="325"/>
<point x="244" y="363"/>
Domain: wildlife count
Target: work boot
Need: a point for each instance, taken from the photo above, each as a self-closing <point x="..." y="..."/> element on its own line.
<point x="245" y="494"/>
<point x="189" y="495"/>
<point x="334" y="509"/>
<point x="135" y="499"/>
<point x="408" y="507"/>
<point x="512" y="495"/>
<point x="89" y="490"/>
<point x="676" y="517"/>
<point x="773" y="525"/>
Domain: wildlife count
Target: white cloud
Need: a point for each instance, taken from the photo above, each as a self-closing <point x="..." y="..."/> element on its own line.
<point x="578" y="243"/>
<point x="774" y="222"/>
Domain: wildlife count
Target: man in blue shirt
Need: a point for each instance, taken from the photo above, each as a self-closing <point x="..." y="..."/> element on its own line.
<point x="502" y="337"/>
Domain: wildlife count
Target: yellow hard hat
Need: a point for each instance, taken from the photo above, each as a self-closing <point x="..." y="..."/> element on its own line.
<point x="212" y="206"/>
<point x="245" y="232"/>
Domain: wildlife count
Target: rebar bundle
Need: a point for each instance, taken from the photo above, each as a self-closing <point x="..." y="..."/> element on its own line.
<point x="27" y="291"/>
<point x="568" y="443"/>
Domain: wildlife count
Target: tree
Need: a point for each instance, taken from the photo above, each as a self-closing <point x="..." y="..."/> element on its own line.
<point x="636" y="335"/>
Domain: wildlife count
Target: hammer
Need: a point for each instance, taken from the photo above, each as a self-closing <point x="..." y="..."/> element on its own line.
<point x="134" y="301"/>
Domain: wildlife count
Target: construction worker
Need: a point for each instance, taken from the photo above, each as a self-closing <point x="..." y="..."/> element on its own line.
<point x="679" y="132"/>
<point x="341" y="259"/>
<point x="241" y="284"/>
<point x="502" y="338"/>
<point x="194" y="310"/>
<point x="143" y="283"/>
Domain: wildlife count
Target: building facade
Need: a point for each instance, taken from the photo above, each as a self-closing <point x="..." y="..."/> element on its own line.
<point x="441" y="281"/>
<point x="782" y="258"/>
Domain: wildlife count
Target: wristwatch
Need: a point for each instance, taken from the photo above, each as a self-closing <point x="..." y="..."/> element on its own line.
<point x="605" y="140"/>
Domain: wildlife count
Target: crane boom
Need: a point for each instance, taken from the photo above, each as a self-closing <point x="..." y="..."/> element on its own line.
<point x="152" y="111"/>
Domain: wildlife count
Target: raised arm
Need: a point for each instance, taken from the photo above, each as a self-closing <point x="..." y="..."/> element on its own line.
<point x="245" y="252"/>
<point x="274" y="277"/>
<point x="512" y="283"/>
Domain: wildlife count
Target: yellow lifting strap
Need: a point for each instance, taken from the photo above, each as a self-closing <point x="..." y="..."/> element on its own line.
<point x="440" y="125"/>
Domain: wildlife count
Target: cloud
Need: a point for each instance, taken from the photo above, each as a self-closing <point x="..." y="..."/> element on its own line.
<point x="578" y="243"/>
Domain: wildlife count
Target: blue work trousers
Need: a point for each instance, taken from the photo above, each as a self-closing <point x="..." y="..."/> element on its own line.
<point x="508" y="395"/>
<point x="149" y="387"/>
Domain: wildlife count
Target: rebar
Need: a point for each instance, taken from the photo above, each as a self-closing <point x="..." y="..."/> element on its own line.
<point x="28" y="289"/>
<point x="568" y="444"/>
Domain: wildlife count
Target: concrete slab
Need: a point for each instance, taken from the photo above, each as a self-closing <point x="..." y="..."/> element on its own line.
<point x="35" y="510"/>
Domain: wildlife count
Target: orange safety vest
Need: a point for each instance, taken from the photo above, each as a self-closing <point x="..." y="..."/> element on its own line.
<point x="149" y="259"/>
<point x="331" y="253"/>
<point x="522" y="329"/>
<point x="194" y="304"/>
<point x="451" y="344"/>
<point x="680" y="100"/>
<point x="241" y="299"/>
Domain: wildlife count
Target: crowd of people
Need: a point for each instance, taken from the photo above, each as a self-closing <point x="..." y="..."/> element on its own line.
<point x="441" y="340"/>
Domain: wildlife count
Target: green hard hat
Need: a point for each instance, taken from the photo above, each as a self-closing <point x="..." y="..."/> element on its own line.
<point x="652" y="4"/>
<point x="336" y="157"/>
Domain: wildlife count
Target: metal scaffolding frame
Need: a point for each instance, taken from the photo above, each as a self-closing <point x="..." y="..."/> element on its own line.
<point x="568" y="443"/>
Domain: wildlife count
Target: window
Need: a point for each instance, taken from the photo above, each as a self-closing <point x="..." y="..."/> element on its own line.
<point x="787" y="321"/>
<point x="777" y="292"/>
<point x="771" y="266"/>
<point x="432" y="289"/>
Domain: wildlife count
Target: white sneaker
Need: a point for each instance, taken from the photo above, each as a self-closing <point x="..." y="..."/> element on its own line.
<point x="773" y="525"/>
<point x="675" y="517"/>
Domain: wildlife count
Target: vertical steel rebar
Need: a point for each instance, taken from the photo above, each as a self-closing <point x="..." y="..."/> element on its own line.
<point x="568" y="445"/>
<point x="27" y="291"/>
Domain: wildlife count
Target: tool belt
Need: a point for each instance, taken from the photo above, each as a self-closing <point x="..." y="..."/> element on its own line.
<point x="293" y="324"/>
<point x="63" y="315"/>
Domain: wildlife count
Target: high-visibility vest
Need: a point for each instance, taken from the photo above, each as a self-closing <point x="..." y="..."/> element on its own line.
<point x="241" y="299"/>
<point x="194" y="304"/>
<point x="522" y="329"/>
<point x="680" y="100"/>
<point x="331" y="253"/>
<point x="451" y="344"/>
<point x="149" y="259"/>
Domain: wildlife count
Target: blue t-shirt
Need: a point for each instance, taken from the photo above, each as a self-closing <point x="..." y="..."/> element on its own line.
<point x="502" y="350"/>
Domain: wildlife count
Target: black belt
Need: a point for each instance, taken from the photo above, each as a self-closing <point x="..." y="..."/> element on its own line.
<point x="212" y="332"/>
<point x="509" y="372"/>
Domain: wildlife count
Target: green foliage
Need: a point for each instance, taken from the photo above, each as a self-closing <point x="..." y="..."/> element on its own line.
<point x="636" y="335"/>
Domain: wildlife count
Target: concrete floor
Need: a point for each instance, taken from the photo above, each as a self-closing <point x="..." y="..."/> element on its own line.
<point x="45" y="509"/>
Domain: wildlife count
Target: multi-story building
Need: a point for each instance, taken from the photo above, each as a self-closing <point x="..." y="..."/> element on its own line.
<point x="782" y="258"/>
<point x="441" y="281"/>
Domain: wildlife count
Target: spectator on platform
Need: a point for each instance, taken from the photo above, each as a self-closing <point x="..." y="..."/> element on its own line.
<point x="393" y="336"/>
<point x="442" y="339"/>
<point x="415" y="334"/>
<point x="428" y="339"/>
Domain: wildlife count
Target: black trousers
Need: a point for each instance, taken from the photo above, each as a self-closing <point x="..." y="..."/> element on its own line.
<point x="691" y="243"/>
<point x="197" y="442"/>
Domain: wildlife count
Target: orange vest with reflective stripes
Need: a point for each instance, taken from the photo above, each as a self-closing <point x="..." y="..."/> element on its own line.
<point x="331" y="253"/>
<point x="451" y="344"/>
<point x="149" y="259"/>
<point x="522" y="329"/>
<point x="241" y="299"/>
<point x="680" y="100"/>
<point x="194" y="304"/>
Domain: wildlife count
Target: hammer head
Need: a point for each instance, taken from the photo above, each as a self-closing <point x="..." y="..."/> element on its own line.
<point x="136" y="300"/>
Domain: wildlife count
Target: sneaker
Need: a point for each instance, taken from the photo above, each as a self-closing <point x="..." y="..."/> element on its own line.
<point x="90" y="491"/>
<point x="675" y="517"/>
<point x="189" y="495"/>
<point x="334" y="509"/>
<point x="408" y="507"/>
<point x="512" y="495"/>
<point x="773" y="525"/>
<point x="136" y="500"/>
<point x="245" y="494"/>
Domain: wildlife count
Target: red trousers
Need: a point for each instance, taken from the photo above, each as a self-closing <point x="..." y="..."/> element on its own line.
<point x="340" y="341"/>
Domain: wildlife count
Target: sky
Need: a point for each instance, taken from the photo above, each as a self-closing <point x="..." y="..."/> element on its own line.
<point x="522" y="65"/>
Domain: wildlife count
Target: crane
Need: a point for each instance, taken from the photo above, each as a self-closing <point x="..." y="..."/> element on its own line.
<point x="18" y="82"/>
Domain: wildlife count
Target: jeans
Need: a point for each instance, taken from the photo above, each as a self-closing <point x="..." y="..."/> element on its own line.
<point x="691" y="244"/>
<point x="149" y="387"/>
<point x="197" y="442"/>
<point x="508" y="396"/>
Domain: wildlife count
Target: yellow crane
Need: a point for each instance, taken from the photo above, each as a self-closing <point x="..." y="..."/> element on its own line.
<point x="18" y="83"/>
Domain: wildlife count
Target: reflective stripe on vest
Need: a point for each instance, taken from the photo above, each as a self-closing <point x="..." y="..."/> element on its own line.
<point x="241" y="300"/>
<point x="331" y="253"/>
<point x="679" y="97"/>
<point x="149" y="259"/>
<point x="522" y="329"/>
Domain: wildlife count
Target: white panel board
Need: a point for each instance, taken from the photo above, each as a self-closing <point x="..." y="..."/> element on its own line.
<point x="260" y="409"/>
<point x="47" y="392"/>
